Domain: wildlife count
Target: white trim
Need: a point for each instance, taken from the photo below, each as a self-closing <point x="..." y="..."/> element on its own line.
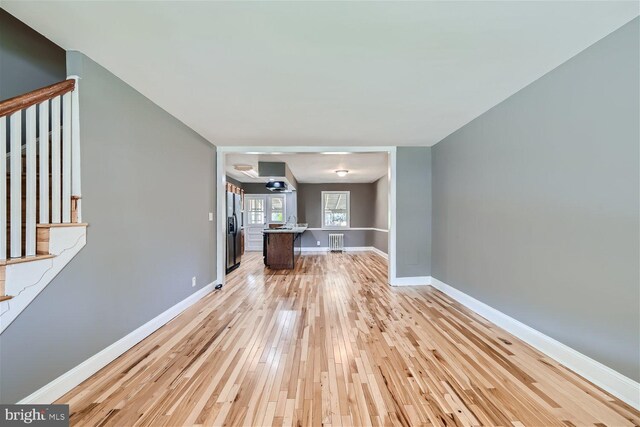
<point x="391" y="216"/>
<point x="348" y="229"/>
<point x="411" y="281"/>
<point x="67" y="381"/>
<point x="316" y="249"/>
<point x="76" y="187"/>
<point x="301" y="149"/>
<point x="312" y="249"/>
<point x="221" y="200"/>
<point x="25" y="280"/>
<point x="221" y="180"/>
<point x="382" y="230"/>
<point x="612" y="381"/>
<point x="379" y="252"/>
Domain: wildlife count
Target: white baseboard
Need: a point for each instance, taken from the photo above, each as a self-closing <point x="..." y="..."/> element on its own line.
<point x="67" y="381"/>
<point x="347" y="249"/>
<point x="379" y="252"/>
<point x="612" y="381"/>
<point x="316" y="249"/>
<point x="410" y="281"/>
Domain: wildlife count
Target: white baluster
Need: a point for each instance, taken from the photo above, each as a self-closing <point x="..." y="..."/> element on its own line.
<point x="66" y="158"/>
<point x="30" y="211"/>
<point x="15" y="123"/>
<point x="75" y="147"/>
<point x="55" y="160"/>
<point x="44" y="162"/>
<point x="3" y="188"/>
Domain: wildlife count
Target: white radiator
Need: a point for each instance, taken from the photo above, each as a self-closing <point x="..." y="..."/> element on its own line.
<point x="336" y="242"/>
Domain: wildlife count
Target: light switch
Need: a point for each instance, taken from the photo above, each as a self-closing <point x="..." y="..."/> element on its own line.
<point x="210" y="216"/>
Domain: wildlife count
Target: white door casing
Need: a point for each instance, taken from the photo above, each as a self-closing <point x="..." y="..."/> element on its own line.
<point x="221" y="183"/>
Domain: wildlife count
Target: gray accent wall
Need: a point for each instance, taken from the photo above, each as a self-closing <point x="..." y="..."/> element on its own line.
<point x="381" y="203"/>
<point x="368" y="210"/>
<point x="148" y="185"/>
<point x="536" y="204"/>
<point x="310" y="203"/>
<point x="413" y="211"/>
<point x="28" y="60"/>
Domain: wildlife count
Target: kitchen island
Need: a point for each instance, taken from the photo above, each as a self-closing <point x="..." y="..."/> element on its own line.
<point x="282" y="246"/>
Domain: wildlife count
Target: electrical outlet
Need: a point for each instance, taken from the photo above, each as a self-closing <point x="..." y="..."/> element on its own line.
<point x="193" y="282"/>
<point x="318" y="243"/>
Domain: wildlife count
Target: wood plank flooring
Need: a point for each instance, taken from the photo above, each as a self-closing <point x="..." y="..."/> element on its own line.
<point x="331" y="344"/>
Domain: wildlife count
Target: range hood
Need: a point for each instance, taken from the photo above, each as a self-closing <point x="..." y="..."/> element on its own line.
<point x="277" y="186"/>
<point x="281" y="180"/>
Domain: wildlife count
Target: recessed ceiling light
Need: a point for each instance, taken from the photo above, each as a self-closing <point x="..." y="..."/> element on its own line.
<point x="342" y="173"/>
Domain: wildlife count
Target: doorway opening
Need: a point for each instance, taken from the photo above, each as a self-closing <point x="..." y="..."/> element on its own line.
<point x="324" y="195"/>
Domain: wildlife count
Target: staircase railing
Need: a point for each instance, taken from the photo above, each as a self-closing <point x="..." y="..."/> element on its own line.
<point x="40" y="165"/>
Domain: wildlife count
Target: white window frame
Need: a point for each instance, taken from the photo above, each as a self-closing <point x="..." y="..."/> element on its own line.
<point x="336" y="227"/>
<point x="270" y="198"/>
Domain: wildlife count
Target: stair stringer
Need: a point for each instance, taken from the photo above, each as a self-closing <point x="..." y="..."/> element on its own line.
<point x="25" y="280"/>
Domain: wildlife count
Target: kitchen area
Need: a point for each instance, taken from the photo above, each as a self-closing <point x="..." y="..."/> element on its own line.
<point x="263" y="216"/>
<point x="269" y="209"/>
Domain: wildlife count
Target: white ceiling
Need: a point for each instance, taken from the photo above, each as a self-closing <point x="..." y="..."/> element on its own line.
<point x="326" y="73"/>
<point x="314" y="168"/>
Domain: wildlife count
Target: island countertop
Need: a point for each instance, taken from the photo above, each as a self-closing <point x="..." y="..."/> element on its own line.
<point x="294" y="230"/>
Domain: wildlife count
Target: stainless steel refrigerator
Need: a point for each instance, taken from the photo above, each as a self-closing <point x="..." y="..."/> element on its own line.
<point x="234" y="230"/>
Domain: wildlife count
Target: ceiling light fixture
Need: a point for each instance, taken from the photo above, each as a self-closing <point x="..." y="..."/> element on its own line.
<point x="342" y="173"/>
<point x="335" y="152"/>
<point x="247" y="170"/>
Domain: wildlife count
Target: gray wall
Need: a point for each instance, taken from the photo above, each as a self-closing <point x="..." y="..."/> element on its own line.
<point x="368" y="201"/>
<point x="536" y="204"/>
<point x="28" y="60"/>
<point x="381" y="203"/>
<point x="413" y="211"/>
<point x="362" y="203"/>
<point x="148" y="184"/>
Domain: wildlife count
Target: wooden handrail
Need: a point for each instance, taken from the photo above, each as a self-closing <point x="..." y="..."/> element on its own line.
<point x="34" y="97"/>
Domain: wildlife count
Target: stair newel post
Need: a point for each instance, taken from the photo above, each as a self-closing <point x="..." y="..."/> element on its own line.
<point x="15" y="163"/>
<point x="30" y="187"/>
<point x="76" y="191"/>
<point x="43" y="152"/>
<point x="55" y="160"/>
<point x="3" y="188"/>
<point x="66" y="158"/>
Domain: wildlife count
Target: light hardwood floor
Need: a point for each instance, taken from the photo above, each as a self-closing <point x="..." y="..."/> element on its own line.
<point x="331" y="344"/>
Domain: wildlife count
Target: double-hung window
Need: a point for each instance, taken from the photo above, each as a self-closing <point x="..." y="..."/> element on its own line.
<point x="335" y="209"/>
<point x="277" y="208"/>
